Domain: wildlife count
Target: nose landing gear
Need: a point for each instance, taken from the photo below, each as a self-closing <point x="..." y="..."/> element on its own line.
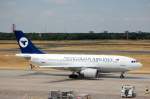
<point x="122" y="75"/>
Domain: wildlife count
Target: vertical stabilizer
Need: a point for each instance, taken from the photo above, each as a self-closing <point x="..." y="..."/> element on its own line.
<point x="25" y="44"/>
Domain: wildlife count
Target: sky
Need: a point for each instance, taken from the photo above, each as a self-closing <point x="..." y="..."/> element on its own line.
<point x="75" y="15"/>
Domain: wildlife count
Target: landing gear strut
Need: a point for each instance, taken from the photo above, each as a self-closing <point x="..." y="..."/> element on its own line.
<point x="122" y="75"/>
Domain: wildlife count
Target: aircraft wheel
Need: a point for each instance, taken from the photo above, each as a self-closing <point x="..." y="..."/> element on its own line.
<point x="74" y="76"/>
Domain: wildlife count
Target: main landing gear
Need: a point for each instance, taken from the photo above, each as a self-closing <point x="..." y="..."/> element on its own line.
<point x="75" y="75"/>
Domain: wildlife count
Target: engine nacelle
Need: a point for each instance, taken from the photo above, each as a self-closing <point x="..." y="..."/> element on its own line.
<point x="89" y="73"/>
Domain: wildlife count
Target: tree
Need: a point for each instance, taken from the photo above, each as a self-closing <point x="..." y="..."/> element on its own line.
<point x="91" y="31"/>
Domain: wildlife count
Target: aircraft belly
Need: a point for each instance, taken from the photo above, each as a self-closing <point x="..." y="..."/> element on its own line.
<point x="115" y="69"/>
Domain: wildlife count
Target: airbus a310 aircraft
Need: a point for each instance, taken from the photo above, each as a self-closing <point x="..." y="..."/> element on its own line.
<point x="82" y="66"/>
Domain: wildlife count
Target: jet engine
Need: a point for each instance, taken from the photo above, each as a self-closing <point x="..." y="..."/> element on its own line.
<point x="89" y="73"/>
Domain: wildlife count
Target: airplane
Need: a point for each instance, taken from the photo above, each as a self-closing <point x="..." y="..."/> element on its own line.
<point x="81" y="65"/>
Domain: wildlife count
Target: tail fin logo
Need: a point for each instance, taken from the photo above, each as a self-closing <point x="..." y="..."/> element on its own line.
<point x="23" y="42"/>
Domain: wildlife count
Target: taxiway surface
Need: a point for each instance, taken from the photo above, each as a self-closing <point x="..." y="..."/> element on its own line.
<point x="21" y="84"/>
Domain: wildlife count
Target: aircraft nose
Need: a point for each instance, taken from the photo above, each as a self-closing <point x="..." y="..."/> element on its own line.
<point x="136" y="66"/>
<point x="139" y="65"/>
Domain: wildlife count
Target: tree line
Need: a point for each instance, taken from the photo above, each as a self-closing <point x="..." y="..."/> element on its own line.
<point x="81" y="36"/>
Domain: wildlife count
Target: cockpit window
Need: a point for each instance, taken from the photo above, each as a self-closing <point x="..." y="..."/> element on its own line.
<point x="134" y="61"/>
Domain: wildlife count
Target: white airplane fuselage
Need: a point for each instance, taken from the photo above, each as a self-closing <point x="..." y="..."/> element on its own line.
<point x="104" y="63"/>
